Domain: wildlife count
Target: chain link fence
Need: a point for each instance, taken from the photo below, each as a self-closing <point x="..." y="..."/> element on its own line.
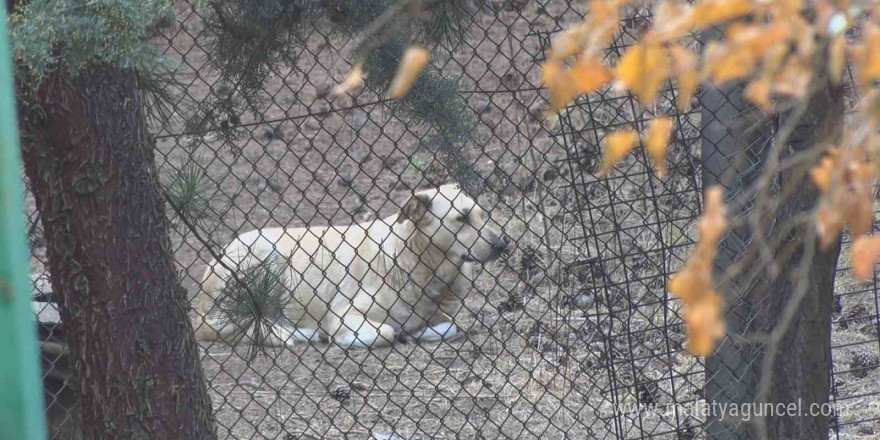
<point x="562" y="337"/>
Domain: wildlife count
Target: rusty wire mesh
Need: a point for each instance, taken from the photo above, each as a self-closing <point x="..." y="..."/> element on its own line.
<point x="569" y="326"/>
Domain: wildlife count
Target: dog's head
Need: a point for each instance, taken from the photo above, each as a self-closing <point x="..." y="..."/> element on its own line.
<point x="455" y="223"/>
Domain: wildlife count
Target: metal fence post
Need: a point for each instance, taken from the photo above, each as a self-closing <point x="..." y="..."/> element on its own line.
<point x="730" y="158"/>
<point x="21" y="399"/>
<point x="728" y="372"/>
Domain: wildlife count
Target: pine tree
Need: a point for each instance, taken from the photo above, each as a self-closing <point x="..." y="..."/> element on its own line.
<point x="251" y="39"/>
<point x="88" y="83"/>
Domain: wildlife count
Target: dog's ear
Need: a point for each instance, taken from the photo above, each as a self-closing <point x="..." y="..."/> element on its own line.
<point x="415" y="208"/>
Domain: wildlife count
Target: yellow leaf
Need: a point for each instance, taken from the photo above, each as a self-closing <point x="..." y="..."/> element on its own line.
<point x="702" y="311"/>
<point x="705" y="323"/>
<point x="603" y="21"/>
<point x="859" y="199"/>
<point x="568" y="43"/>
<point x="642" y="69"/>
<point x="354" y="79"/>
<point x="823" y="11"/>
<point x="557" y="79"/>
<point x="757" y="39"/>
<point x="672" y="21"/>
<point x="829" y="224"/>
<point x="725" y="63"/>
<point x="773" y="58"/>
<point x="551" y="71"/>
<point x="602" y="11"/>
<point x="711" y="12"/>
<point x="794" y="79"/>
<point x="758" y="92"/>
<point x="589" y="74"/>
<point x="687" y="76"/>
<point x="866" y="58"/>
<point x="785" y="8"/>
<point x="415" y="59"/>
<point x="690" y="283"/>
<point x="837" y="59"/>
<point x="658" y="138"/>
<point x="617" y="147"/>
<point x="713" y="222"/>
<point x="822" y="174"/>
<point x="865" y="253"/>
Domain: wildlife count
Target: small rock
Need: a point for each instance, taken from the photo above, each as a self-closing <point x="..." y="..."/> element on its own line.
<point x="346" y="180"/>
<point x="855" y="317"/>
<point x="550" y="174"/>
<point x="360" y="386"/>
<point x="648" y="393"/>
<point x="275" y="184"/>
<point x="511" y="305"/>
<point x="340" y="392"/>
<point x="273" y="133"/>
<point x="511" y="80"/>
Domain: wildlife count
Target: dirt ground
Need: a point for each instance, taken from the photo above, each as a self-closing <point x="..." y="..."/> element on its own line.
<point x="574" y="320"/>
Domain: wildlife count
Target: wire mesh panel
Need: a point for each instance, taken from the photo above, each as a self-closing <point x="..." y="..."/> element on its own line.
<point x="569" y="334"/>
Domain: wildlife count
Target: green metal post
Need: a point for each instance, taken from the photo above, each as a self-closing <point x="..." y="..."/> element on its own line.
<point x="21" y="395"/>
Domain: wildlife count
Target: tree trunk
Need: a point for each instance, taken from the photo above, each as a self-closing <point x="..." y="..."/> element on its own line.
<point x="801" y="372"/>
<point x="89" y="158"/>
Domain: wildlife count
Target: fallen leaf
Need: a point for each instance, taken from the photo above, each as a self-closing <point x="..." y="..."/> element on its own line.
<point x="658" y="138"/>
<point x="618" y="145"/>
<point x="642" y="69"/>
<point x="414" y="60"/>
<point x="865" y="253"/>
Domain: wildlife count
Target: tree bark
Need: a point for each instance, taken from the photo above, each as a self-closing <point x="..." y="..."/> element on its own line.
<point x="801" y="372"/>
<point x="89" y="158"/>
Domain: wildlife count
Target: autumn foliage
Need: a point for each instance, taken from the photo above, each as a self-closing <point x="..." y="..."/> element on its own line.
<point x="781" y="50"/>
<point x="703" y="307"/>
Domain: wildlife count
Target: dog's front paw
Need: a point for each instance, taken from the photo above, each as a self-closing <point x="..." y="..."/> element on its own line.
<point x="367" y="335"/>
<point x="445" y="331"/>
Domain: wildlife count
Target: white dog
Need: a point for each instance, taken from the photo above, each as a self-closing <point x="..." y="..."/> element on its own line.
<point x="364" y="284"/>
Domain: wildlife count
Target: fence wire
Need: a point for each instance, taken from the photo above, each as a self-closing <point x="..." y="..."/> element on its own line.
<point x="560" y="338"/>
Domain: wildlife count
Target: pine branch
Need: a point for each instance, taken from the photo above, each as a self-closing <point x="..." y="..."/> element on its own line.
<point x="253" y="39"/>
